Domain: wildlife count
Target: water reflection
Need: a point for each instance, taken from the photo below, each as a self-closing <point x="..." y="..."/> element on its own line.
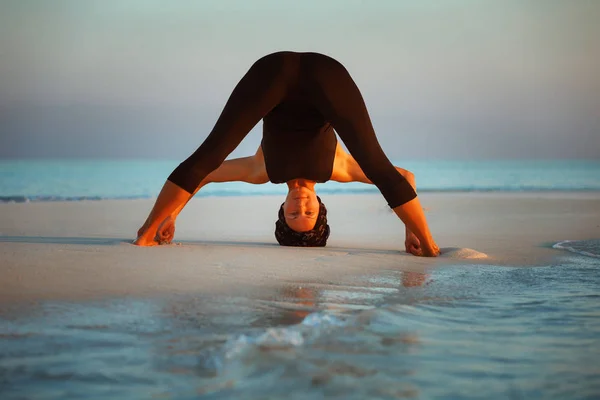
<point x="413" y="279"/>
<point x="290" y="305"/>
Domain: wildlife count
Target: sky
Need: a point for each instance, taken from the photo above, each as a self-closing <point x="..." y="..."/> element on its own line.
<point x="453" y="79"/>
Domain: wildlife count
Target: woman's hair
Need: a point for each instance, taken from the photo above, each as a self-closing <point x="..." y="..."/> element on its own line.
<point x="316" y="237"/>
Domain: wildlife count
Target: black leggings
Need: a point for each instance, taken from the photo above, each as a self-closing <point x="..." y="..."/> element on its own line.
<point x="329" y="87"/>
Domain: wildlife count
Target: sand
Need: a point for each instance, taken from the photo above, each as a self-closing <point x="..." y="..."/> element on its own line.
<point x="81" y="250"/>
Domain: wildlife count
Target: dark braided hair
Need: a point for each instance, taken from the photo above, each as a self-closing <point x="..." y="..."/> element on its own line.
<point x="316" y="237"/>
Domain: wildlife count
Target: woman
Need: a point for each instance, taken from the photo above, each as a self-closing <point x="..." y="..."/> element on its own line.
<point x="302" y="98"/>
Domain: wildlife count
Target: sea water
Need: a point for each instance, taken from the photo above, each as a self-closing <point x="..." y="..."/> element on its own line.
<point x="456" y="332"/>
<point x="48" y="180"/>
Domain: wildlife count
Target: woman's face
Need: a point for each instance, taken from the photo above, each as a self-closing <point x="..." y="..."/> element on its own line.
<point x="301" y="209"/>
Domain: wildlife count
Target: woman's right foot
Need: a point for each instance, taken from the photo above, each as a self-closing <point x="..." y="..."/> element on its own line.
<point x="431" y="250"/>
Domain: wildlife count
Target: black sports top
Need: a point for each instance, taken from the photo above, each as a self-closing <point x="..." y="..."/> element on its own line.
<point x="301" y="98"/>
<point x="297" y="143"/>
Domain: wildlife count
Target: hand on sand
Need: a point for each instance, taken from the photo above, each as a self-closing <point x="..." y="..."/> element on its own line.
<point x="414" y="247"/>
<point x="163" y="235"/>
<point x="412" y="244"/>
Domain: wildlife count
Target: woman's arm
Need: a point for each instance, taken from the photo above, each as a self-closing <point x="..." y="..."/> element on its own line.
<point x="247" y="169"/>
<point x="346" y="169"/>
<point x="172" y="199"/>
<point x="419" y="240"/>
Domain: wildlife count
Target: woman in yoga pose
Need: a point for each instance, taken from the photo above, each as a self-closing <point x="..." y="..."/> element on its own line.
<point x="302" y="98"/>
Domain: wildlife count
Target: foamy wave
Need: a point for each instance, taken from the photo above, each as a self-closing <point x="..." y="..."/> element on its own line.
<point x="239" y="346"/>
<point x="589" y="248"/>
<point x="295" y="335"/>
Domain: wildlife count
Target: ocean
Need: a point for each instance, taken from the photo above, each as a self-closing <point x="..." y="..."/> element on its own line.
<point x="57" y="180"/>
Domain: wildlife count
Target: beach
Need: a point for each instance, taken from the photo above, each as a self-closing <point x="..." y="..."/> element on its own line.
<point x="75" y="250"/>
<point x="225" y="312"/>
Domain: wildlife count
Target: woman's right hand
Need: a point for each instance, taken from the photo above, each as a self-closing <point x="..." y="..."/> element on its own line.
<point x="163" y="235"/>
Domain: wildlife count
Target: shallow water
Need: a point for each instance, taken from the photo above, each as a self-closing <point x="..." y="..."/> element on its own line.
<point x="457" y="332"/>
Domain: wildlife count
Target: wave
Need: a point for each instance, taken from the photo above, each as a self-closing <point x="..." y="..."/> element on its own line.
<point x="333" y="190"/>
<point x="589" y="248"/>
<point x="238" y="346"/>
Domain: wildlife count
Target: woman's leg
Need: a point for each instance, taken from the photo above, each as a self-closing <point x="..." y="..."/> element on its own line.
<point x="257" y="93"/>
<point x="338" y="98"/>
<point x="260" y="90"/>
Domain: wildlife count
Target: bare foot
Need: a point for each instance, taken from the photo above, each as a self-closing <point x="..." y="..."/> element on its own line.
<point x="144" y="242"/>
<point x="431" y="251"/>
<point x="163" y="235"/>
